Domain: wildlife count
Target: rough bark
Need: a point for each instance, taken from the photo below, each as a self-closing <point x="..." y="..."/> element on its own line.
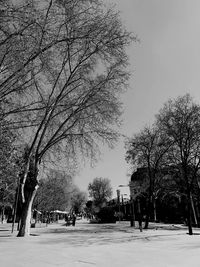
<point x="28" y="190"/>
<point x="25" y="222"/>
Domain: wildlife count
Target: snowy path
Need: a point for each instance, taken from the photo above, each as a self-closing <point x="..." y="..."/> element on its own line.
<point x="115" y="245"/>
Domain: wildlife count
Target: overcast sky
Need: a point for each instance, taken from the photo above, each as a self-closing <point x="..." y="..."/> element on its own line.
<point x="165" y="64"/>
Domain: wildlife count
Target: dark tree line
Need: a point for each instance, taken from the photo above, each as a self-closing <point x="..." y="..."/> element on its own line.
<point x="170" y="153"/>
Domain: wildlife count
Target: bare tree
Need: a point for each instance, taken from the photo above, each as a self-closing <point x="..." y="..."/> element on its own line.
<point x="179" y="119"/>
<point x="100" y="191"/>
<point x="77" y="71"/>
<point x="147" y="149"/>
<point x="19" y="47"/>
<point x="54" y="192"/>
<point x="78" y="200"/>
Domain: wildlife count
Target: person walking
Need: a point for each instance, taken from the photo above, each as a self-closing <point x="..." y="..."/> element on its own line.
<point x="73" y="219"/>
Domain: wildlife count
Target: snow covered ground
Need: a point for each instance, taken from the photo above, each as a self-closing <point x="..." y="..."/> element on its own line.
<point x="115" y="245"/>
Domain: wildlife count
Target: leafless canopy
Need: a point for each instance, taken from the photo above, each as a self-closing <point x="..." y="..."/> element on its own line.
<point x="62" y="67"/>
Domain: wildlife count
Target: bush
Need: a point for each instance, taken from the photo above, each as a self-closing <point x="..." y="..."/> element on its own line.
<point x="106" y="215"/>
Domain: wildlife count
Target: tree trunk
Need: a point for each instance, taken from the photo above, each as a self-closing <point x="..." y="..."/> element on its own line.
<point x="193" y="209"/>
<point x="189" y="219"/>
<point x="154" y="210"/>
<point x="198" y="214"/>
<point x="151" y="178"/>
<point x="2" y="214"/>
<point x="147" y="213"/>
<point x="28" y="189"/>
<point x="132" y="213"/>
<point x="25" y="223"/>
<point x="189" y="204"/>
<point x="139" y="215"/>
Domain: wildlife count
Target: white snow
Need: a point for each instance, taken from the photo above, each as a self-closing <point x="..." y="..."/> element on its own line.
<point x="115" y="245"/>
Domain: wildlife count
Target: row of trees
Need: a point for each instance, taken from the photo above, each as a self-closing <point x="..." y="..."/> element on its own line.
<point x="62" y="68"/>
<point x="58" y="192"/>
<point x="171" y="146"/>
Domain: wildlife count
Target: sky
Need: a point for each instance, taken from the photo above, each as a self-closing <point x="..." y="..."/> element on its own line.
<point x="164" y="64"/>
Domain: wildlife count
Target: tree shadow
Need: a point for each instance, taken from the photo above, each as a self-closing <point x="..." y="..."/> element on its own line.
<point x="101" y="235"/>
<point x="194" y="234"/>
<point x="34" y="235"/>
